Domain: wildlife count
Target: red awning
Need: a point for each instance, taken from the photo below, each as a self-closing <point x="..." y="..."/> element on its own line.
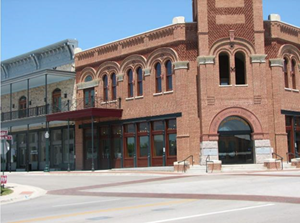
<point x="85" y="114"/>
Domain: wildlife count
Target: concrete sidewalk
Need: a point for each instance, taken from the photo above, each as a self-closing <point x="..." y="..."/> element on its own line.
<point x="21" y="193"/>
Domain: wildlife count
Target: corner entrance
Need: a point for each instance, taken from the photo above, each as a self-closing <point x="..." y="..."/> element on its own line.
<point x="235" y="143"/>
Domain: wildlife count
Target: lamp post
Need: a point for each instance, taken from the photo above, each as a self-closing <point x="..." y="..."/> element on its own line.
<point x="47" y="135"/>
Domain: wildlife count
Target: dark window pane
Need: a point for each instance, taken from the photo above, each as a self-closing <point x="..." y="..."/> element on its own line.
<point x="130" y="84"/>
<point x="88" y="78"/>
<point x="172" y="124"/>
<point x="169" y="75"/>
<point x="129" y="128"/>
<point x="158" y="125"/>
<point x="240" y="68"/>
<point x="288" y="121"/>
<point x="143" y="127"/>
<point x="224" y="69"/>
<point x="104" y="131"/>
<point x="117" y="148"/>
<point x="172" y="145"/>
<point x="130" y="147"/>
<point x="158" y="145"/>
<point x="117" y="130"/>
<point x="158" y="77"/>
<point x="144" y="143"/>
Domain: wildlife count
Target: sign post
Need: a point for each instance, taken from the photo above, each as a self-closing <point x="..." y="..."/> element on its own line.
<point x="47" y="135"/>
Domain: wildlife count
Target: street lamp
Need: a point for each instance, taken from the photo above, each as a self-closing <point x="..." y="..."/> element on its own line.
<point x="47" y="135"/>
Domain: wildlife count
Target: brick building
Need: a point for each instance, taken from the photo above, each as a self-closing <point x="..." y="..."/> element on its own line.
<point x="225" y="85"/>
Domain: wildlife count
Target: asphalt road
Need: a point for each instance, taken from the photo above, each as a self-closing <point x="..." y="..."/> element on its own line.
<point x="132" y="197"/>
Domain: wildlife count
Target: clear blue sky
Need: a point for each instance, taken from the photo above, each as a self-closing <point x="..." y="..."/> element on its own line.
<point x="27" y="25"/>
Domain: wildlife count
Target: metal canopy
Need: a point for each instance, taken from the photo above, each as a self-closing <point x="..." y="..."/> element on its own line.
<point x="85" y="114"/>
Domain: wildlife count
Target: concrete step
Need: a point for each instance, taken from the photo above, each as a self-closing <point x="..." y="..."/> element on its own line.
<point x="146" y="169"/>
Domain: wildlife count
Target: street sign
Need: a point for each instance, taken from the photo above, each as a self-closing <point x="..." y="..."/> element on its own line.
<point x="7" y="137"/>
<point x="3" y="132"/>
<point x="3" y="179"/>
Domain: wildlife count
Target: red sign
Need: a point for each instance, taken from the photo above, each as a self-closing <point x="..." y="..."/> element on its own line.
<point x="3" y="132"/>
<point x="7" y="137"/>
<point x="3" y="179"/>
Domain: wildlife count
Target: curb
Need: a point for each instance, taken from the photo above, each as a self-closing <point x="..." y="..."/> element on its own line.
<point x="21" y="193"/>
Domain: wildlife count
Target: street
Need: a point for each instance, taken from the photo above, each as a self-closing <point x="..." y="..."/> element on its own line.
<point x="157" y="197"/>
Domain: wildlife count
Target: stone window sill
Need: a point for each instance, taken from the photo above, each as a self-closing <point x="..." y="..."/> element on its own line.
<point x="168" y="92"/>
<point x="241" y="85"/>
<point x="225" y="85"/>
<point x="139" y="97"/>
<point x="129" y="99"/>
<point x="157" y="94"/>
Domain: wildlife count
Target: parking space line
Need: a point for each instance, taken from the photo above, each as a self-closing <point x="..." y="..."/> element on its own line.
<point x="211" y="213"/>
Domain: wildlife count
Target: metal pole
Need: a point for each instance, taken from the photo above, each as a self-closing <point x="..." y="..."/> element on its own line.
<point x="47" y="135"/>
<point x="10" y="102"/>
<point x="27" y="103"/>
<point x="45" y="99"/>
<point x="68" y="145"/>
<point x="93" y="143"/>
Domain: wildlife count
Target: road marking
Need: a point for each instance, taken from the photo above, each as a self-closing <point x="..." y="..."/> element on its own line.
<point x="212" y="213"/>
<point x="90" y="202"/>
<point x="104" y="210"/>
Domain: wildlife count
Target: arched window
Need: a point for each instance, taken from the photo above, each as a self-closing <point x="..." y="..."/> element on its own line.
<point x="139" y="73"/>
<point x="105" y="88"/>
<point x="56" y="100"/>
<point x="113" y="86"/>
<point x="130" y="83"/>
<point x="22" y="107"/>
<point x="169" y="84"/>
<point x="88" y="78"/>
<point x="293" y="73"/>
<point x="158" y="77"/>
<point x="240" y="68"/>
<point x="224" y="69"/>
<point x="285" y="70"/>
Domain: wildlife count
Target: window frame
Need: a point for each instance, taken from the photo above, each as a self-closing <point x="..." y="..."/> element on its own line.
<point x="105" y="87"/>
<point x="130" y="83"/>
<point x="113" y="86"/>
<point x="139" y="74"/>
<point x="158" y="78"/>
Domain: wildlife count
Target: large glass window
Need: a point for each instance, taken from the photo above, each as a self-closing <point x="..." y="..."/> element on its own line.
<point x="69" y="151"/>
<point x="158" y="125"/>
<point x="172" y="144"/>
<point x="113" y="87"/>
<point x="224" y="68"/>
<point x="130" y="147"/>
<point x="158" y="145"/>
<point x="158" y="77"/>
<point x="235" y="143"/>
<point x="130" y="83"/>
<point x="139" y="81"/>
<point x="144" y="144"/>
<point x="22" y="107"/>
<point x="56" y="147"/>
<point x="21" y="152"/>
<point x="117" y="140"/>
<point x="169" y="84"/>
<point x="33" y="150"/>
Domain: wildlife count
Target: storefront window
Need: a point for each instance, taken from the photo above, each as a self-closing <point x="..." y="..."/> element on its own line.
<point x="172" y="145"/>
<point x="117" y="130"/>
<point x="68" y="152"/>
<point x="144" y="144"/>
<point x="130" y="147"/>
<point x="158" y="145"/>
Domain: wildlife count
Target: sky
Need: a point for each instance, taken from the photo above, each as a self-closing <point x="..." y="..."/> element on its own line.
<point x="27" y="25"/>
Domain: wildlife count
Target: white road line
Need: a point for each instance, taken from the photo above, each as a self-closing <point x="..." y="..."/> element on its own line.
<point x="212" y="213"/>
<point x="90" y="202"/>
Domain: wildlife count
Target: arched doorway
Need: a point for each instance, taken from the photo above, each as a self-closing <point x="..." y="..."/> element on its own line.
<point x="56" y="100"/>
<point x="22" y="107"/>
<point x="235" y="142"/>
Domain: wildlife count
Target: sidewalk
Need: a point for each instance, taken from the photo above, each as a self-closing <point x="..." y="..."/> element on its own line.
<point x="21" y="193"/>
